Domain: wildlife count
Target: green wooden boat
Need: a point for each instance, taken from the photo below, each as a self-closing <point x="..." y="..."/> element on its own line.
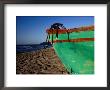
<point x="74" y="47"/>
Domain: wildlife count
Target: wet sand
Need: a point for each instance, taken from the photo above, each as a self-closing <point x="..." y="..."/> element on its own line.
<point x="44" y="61"/>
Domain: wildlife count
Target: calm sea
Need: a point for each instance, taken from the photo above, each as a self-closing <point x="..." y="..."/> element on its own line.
<point x="32" y="47"/>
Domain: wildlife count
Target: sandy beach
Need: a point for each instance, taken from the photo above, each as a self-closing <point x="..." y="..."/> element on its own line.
<point x="44" y="61"/>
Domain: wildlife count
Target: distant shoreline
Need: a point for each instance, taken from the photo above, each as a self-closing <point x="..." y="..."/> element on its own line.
<point x="32" y="47"/>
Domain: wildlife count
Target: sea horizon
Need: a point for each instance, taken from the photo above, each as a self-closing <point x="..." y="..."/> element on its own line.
<point x="31" y="47"/>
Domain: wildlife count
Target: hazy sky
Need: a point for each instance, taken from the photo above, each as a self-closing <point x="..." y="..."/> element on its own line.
<point x="32" y="29"/>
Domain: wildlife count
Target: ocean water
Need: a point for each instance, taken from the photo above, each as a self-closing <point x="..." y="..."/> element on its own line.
<point x="32" y="47"/>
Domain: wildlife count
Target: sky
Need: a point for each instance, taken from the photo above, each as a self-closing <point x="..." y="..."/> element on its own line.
<point x="32" y="29"/>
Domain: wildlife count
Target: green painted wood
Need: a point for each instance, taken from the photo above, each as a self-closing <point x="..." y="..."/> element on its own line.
<point x="77" y="57"/>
